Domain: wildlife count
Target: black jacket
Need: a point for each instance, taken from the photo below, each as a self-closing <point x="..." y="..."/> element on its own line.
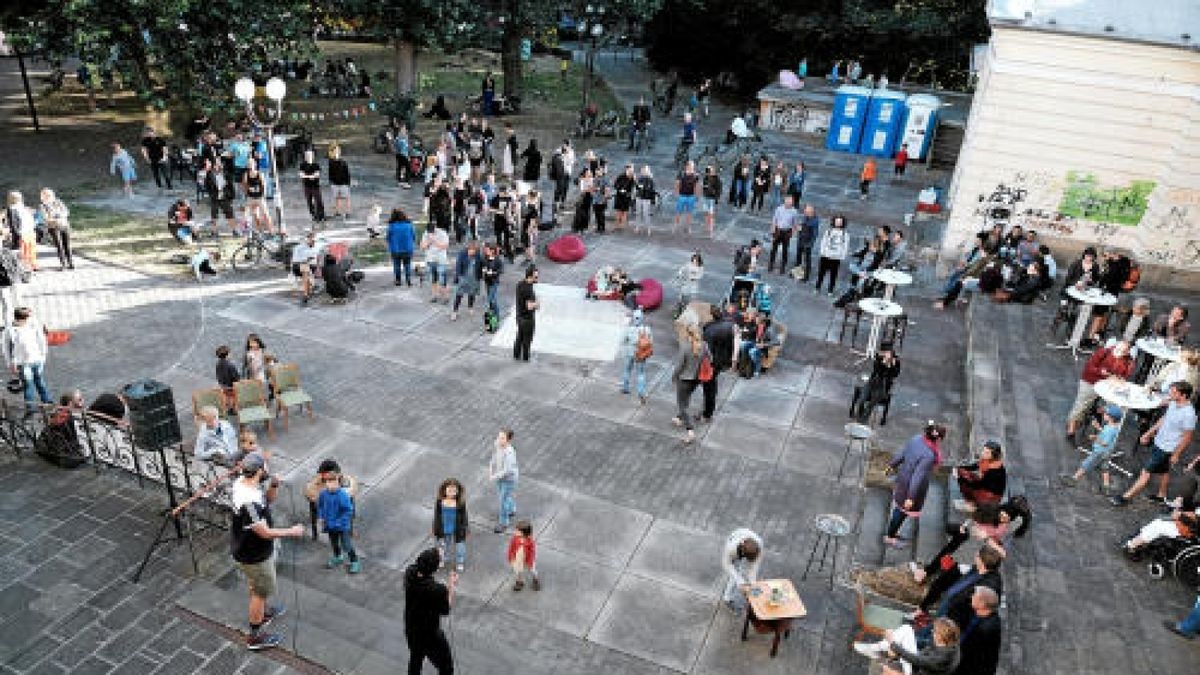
<point x="959" y="608"/>
<point x="980" y="647"/>
<point x="460" y="521"/>
<point x="933" y="660"/>
<point x="719" y="336"/>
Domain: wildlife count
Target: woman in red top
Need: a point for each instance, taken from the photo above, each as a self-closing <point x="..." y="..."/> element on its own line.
<point x="901" y="159"/>
<point x="1105" y="363"/>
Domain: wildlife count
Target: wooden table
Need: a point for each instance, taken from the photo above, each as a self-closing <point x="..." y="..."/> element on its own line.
<point x="772" y="617"/>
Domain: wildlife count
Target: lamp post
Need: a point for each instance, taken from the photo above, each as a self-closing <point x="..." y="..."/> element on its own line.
<point x="595" y="26"/>
<point x="276" y="89"/>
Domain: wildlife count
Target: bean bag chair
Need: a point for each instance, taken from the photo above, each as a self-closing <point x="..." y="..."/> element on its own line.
<point x="651" y="295"/>
<point x="566" y="249"/>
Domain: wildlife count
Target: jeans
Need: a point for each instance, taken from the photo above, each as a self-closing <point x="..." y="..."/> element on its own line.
<point x="1094" y="459"/>
<point x="737" y="192"/>
<point x="505" y="487"/>
<point x="683" y="396"/>
<point x="754" y="353"/>
<point x="897" y="520"/>
<point x="827" y="266"/>
<point x="460" y="549"/>
<point x="776" y="197"/>
<point x="804" y="257"/>
<point x="632" y="364"/>
<point x="62" y="245"/>
<point x="493" y="303"/>
<point x="1191" y="622"/>
<point x="161" y="173"/>
<point x="34" y="376"/>
<point x="402" y="265"/>
<point x="341" y="542"/>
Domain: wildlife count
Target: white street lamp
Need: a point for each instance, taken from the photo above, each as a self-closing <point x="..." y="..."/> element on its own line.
<point x="276" y="89"/>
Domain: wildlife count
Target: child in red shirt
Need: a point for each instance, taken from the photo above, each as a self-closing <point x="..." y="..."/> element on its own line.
<point x="522" y="556"/>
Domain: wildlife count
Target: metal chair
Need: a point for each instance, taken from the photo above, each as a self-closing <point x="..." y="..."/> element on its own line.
<point x="251" y="404"/>
<point x="209" y="397"/>
<point x="858" y="434"/>
<point x="285" y="377"/>
<point x="850" y="308"/>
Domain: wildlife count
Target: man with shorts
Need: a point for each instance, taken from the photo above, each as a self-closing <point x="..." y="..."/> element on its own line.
<point x="687" y="186"/>
<point x="304" y="263"/>
<point x="1171" y="435"/>
<point x="252" y="542"/>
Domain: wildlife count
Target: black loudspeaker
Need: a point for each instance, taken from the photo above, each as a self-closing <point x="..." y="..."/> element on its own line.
<point x="152" y="414"/>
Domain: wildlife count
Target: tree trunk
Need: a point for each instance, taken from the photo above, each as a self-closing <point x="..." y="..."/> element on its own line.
<point x="510" y="59"/>
<point x="405" y="54"/>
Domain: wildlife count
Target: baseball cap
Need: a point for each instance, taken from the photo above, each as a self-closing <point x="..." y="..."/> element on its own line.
<point x="1114" y="412"/>
<point x="251" y="464"/>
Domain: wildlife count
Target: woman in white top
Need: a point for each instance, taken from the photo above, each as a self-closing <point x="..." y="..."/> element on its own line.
<point x="435" y="243"/>
<point x="835" y="244"/>
<point x="689" y="276"/>
<point x="22" y="229"/>
<point x="56" y="216"/>
<point x="1186" y="369"/>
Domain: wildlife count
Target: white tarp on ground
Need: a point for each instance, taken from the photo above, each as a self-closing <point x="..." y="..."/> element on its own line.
<point x="568" y="324"/>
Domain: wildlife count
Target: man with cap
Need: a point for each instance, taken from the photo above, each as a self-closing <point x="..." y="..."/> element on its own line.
<point x="252" y="542"/>
<point x="426" y="601"/>
<point x="1102" y="447"/>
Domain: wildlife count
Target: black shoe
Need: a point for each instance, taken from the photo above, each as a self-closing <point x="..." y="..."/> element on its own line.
<point x="261" y="640"/>
<point x="1119" y="500"/>
<point x="273" y="613"/>
<point x="1156" y="499"/>
<point x="1174" y="628"/>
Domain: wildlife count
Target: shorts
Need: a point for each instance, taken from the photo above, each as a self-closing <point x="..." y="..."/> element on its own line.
<point x="1159" y="462"/>
<point x="341" y="192"/>
<point x="298" y="271"/>
<point x="437" y="272"/>
<point x="260" y="577"/>
<point x="685" y="203"/>
<point x="709" y="205"/>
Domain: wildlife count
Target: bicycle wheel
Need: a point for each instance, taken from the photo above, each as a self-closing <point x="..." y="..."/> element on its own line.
<point x="248" y="256"/>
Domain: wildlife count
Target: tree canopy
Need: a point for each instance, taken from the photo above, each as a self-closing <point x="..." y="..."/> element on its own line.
<point x="754" y="39"/>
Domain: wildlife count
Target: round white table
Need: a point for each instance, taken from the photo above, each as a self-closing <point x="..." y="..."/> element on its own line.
<point x="890" y="280"/>
<point x="1126" y="396"/>
<point x="1160" y="352"/>
<point x="879" y="309"/>
<point x="1088" y="299"/>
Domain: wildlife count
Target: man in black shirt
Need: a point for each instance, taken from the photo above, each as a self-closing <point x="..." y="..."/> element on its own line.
<point x="252" y="543"/>
<point x="527" y="305"/>
<point x="154" y="149"/>
<point x="719" y="334"/>
<point x="425" y="603"/>
<point x="310" y="176"/>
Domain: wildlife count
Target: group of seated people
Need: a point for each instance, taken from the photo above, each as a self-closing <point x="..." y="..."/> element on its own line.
<point x="756" y="336"/>
<point x="1010" y="267"/>
<point x="887" y="249"/>
<point x="614" y="283"/>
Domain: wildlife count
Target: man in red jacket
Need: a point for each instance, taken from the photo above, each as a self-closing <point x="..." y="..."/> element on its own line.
<point x="1104" y="363"/>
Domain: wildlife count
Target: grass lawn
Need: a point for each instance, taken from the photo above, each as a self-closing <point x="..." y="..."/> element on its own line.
<point x="134" y="240"/>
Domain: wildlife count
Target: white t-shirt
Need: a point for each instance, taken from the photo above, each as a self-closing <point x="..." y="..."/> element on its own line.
<point x="436" y="242"/>
<point x="303" y="253"/>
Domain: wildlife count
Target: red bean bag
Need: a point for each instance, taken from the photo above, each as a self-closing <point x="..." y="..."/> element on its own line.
<point x="566" y="249"/>
<point x="651" y="295"/>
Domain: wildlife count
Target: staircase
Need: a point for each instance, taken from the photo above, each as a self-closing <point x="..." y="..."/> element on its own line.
<point x="947" y="141"/>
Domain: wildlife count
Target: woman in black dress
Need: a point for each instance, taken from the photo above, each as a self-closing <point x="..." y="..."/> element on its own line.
<point x="533" y="162"/>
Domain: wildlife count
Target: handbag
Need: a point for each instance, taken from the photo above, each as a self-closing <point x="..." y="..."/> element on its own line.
<point x="705" y="372"/>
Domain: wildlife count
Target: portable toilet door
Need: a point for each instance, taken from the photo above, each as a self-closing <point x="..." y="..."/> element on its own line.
<point x="882" y="126"/>
<point x="850" y="105"/>
<point x="919" y="125"/>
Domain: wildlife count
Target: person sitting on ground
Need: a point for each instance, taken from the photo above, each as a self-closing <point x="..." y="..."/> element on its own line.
<point x="439" y="109"/>
<point x="756" y="341"/>
<point x="1104" y="441"/>
<point x="1028" y="249"/>
<point x="180" y="221"/>
<point x="339" y="281"/>
<point x="1026" y="285"/>
<point x="1049" y="265"/>
<point x="950" y="591"/>
<point x="216" y="439"/>
<point x="897" y="254"/>
<point x="1106" y="362"/>
<point x="903" y="657"/>
<point x="966" y="272"/>
<point x="979" y="645"/>
<point x="746" y="260"/>
<point x="1180" y="525"/>
<point x="884" y="370"/>
<point x="983" y="481"/>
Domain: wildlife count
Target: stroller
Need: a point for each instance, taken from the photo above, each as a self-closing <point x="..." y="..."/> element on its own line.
<point x="747" y="291"/>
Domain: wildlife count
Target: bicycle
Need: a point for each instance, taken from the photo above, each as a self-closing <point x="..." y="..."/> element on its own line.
<point x="259" y="252"/>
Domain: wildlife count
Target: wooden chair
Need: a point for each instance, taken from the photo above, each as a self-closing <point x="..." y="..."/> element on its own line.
<point x="206" y="397"/>
<point x="286" y="379"/>
<point x="873" y="618"/>
<point x="251" y="404"/>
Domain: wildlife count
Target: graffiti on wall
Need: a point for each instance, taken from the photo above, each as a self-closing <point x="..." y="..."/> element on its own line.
<point x="1085" y="198"/>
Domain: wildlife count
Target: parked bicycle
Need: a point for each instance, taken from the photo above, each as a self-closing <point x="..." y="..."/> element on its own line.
<point x="260" y="251"/>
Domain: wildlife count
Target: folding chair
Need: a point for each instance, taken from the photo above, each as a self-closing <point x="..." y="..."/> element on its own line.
<point x="286" y="379"/>
<point x="251" y="404"/>
<point x="873" y="618"/>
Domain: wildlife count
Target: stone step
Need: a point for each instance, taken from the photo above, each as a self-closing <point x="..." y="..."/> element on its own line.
<point x="931" y="530"/>
<point x="869" y="551"/>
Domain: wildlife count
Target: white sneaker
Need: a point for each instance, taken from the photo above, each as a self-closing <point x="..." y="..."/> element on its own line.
<point x="870" y="650"/>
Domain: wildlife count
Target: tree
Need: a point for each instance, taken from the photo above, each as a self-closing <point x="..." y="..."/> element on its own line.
<point x="887" y="36"/>
<point x="185" y="50"/>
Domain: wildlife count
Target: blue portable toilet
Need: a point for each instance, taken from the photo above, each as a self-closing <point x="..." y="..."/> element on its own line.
<point x="881" y="129"/>
<point x="850" y="105"/>
<point x="918" y="127"/>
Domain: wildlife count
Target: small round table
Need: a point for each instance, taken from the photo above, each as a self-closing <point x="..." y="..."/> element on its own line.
<point x="890" y="280"/>
<point x="1126" y="396"/>
<point x="879" y="309"/>
<point x="1160" y="351"/>
<point x="1092" y="297"/>
<point x="831" y="529"/>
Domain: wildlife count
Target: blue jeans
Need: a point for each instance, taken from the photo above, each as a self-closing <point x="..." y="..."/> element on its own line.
<point x="632" y="364"/>
<point x="342" y="543"/>
<point x="752" y="352"/>
<point x="1191" y="622"/>
<point x="506" y="487"/>
<point x="493" y="303"/>
<point x="1095" y="459"/>
<point x="460" y="549"/>
<point x="402" y="265"/>
<point x="34" y="377"/>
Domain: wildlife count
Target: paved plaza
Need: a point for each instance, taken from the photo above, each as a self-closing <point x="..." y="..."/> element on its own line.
<point x="629" y="521"/>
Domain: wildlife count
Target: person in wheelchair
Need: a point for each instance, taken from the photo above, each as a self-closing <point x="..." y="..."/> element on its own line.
<point x="878" y="387"/>
<point x="1181" y="525"/>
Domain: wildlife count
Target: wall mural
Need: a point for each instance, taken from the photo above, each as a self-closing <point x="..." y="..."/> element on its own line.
<point x="1085" y="198"/>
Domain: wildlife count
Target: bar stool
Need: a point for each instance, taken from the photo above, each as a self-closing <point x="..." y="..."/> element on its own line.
<point x="831" y="529"/>
<point x="896" y="329"/>
<point x="857" y="436"/>
<point x="850" y="308"/>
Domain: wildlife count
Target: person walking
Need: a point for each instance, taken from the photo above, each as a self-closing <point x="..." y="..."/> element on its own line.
<point x="154" y="151"/>
<point x="646" y="196"/>
<point x="1189" y="627"/>
<point x="426" y="601"/>
<point x="807" y="232"/>
<point x="21" y="231"/>
<point x="1170" y="437"/>
<point x="252" y="542"/>
<point x="310" y="177"/>
<point x="122" y="165"/>
<point x="719" y="334"/>
<point x="835" y="245"/>
<point x="522" y="556"/>
<point x="900" y="160"/>
<point x="866" y="178"/>
<point x="693" y="367"/>
<point x="741" y="559"/>
<point x="527" y="306"/>
<point x="637" y="345"/>
<point x="503" y="471"/>
<point x="25" y="352"/>
<point x="914" y="465"/>
<point x="783" y="225"/>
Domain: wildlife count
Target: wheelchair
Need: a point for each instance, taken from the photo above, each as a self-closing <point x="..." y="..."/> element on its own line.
<point x="1179" y="556"/>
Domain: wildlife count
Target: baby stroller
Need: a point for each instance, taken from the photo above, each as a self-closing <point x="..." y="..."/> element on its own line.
<point x="750" y="291"/>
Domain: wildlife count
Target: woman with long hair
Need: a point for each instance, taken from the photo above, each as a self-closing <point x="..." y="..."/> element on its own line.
<point x="450" y="521"/>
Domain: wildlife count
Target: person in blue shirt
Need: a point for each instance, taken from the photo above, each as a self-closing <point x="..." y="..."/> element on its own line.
<point x="335" y="510"/>
<point x="1103" y="444"/>
<point x="239" y="151"/>
<point x="263" y="159"/>
<point x="401" y="241"/>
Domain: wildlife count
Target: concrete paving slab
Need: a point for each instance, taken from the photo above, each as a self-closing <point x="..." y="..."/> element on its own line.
<point x="755" y="400"/>
<point x="725" y="653"/>
<point x="573" y="592"/>
<point x="818" y="453"/>
<point x="405" y="312"/>
<point x="674" y="554"/>
<point x="603" y="399"/>
<point x="655" y="621"/>
<point x="730" y="433"/>
<point x="597" y="530"/>
<point x="262" y="310"/>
